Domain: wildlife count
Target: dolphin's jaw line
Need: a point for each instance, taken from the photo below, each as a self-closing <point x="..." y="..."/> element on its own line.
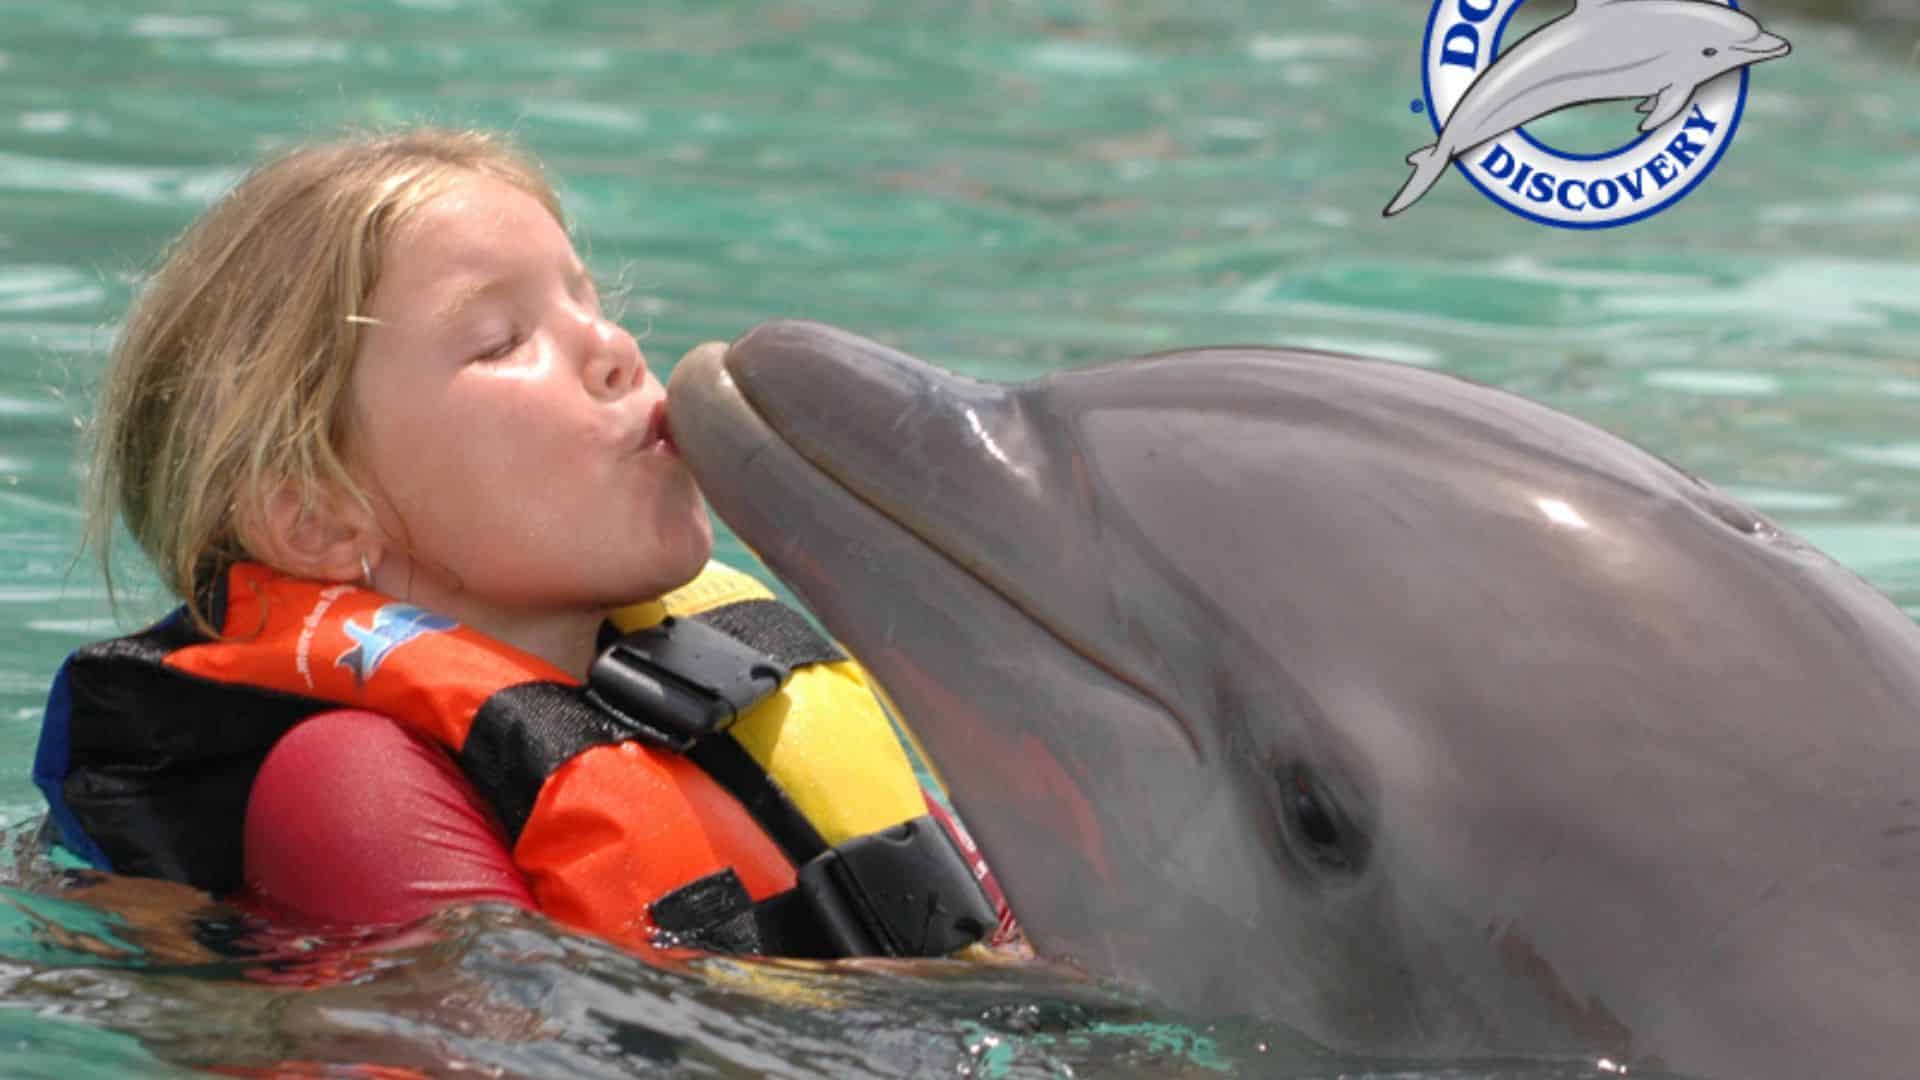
<point x="1066" y="641"/>
<point x="1764" y="52"/>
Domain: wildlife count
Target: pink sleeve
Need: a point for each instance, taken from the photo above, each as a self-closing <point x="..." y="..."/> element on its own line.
<point x="354" y="819"/>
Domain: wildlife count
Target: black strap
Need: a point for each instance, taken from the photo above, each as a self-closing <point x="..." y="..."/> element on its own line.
<point x="520" y="736"/>
<point x="716" y="914"/>
<point x="774" y="629"/>
<point x="904" y="891"/>
<point x="734" y="769"/>
<point x="713" y="913"/>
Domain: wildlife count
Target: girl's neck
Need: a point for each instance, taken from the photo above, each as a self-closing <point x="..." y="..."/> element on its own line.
<point x="569" y="640"/>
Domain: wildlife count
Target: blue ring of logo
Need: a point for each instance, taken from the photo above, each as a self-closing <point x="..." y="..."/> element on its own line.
<point x="1433" y="118"/>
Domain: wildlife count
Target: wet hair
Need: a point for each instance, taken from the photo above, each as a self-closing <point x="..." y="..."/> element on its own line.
<point x="229" y="380"/>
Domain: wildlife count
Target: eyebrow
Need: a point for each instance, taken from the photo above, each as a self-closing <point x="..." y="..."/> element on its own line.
<point x="580" y="281"/>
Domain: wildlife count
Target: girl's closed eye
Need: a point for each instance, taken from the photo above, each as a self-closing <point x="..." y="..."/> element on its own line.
<point x="500" y="346"/>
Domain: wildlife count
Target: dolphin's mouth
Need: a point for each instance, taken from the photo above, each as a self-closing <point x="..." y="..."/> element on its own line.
<point x="1764" y="47"/>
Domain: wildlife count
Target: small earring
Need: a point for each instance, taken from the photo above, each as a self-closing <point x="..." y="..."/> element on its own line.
<point x="366" y="571"/>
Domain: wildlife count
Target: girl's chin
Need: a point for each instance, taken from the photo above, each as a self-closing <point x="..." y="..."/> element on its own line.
<point x="683" y="557"/>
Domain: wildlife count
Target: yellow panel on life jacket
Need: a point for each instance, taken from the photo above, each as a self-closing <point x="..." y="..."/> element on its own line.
<point x="824" y="738"/>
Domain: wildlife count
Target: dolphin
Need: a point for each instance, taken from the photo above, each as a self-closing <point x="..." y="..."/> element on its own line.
<point x="1413" y="715"/>
<point x="1658" y="50"/>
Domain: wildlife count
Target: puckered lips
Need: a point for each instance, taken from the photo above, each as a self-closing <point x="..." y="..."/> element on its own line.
<point x="656" y="437"/>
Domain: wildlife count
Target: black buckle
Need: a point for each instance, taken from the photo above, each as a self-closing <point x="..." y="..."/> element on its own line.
<point x="904" y="891"/>
<point x="680" y="681"/>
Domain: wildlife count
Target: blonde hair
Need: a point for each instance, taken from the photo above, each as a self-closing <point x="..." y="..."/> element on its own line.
<point x="229" y="380"/>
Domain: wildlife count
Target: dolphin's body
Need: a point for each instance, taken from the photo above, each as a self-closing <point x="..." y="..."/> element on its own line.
<point x="1659" y="50"/>
<point x="1412" y="714"/>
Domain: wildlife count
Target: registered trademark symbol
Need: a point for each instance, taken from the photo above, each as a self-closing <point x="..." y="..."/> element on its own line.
<point x="1419" y="106"/>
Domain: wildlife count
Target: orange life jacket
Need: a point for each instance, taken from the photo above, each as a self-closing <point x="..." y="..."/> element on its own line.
<point x="616" y="833"/>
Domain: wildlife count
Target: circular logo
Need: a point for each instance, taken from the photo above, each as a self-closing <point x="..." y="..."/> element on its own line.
<point x="1685" y="59"/>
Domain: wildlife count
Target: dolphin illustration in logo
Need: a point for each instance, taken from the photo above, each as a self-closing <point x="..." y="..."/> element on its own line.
<point x="393" y="626"/>
<point x="1603" y="50"/>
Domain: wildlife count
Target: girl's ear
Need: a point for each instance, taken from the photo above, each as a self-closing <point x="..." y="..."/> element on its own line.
<point x="321" y="539"/>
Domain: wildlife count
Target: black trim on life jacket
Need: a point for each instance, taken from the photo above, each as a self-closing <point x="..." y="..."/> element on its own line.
<point x="715" y="913"/>
<point x="903" y="891"/>
<point x="735" y="770"/>
<point x="520" y="736"/>
<point x="774" y="629"/>
<point x="162" y="790"/>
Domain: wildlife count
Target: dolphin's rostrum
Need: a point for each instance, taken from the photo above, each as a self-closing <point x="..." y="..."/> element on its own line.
<point x="1603" y="50"/>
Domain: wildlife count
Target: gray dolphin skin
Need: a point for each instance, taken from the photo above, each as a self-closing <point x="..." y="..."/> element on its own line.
<point x="1659" y="50"/>
<point x="1408" y="713"/>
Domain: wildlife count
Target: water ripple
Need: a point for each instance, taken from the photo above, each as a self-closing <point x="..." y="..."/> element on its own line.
<point x="1287" y="48"/>
<point x="135" y="183"/>
<point x="281" y="51"/>
<point x="1803" y="293"/>
<point x="1716" y="383"/>
<point x="179" y="26"/>
<point x="54" y="336"/>
<point x="42" y="288"/>
<point x="1866" y="208"/>
<point x="1085" y="58"/>
<point x="26" y="407"/>
<point x="618" y="118"/>
<point x="1785" y="501"/>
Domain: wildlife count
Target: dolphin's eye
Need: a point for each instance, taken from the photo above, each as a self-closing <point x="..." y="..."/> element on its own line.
<point x="1316" y="829"/>
<point x="1315" y="823"/>
<point x="1709" y="51"/>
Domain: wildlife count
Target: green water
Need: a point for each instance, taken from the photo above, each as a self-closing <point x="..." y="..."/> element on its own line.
<point x="1001" y="187"/>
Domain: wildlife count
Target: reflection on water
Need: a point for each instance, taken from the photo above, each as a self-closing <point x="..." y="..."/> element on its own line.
<point x="493" y="991"/>
<point x="1003" y="187"/>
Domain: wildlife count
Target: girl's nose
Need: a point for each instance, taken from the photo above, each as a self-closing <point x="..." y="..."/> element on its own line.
<point x="614" y="361"/>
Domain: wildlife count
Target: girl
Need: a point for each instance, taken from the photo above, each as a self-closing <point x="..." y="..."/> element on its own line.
<point x="371" y="425"/>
